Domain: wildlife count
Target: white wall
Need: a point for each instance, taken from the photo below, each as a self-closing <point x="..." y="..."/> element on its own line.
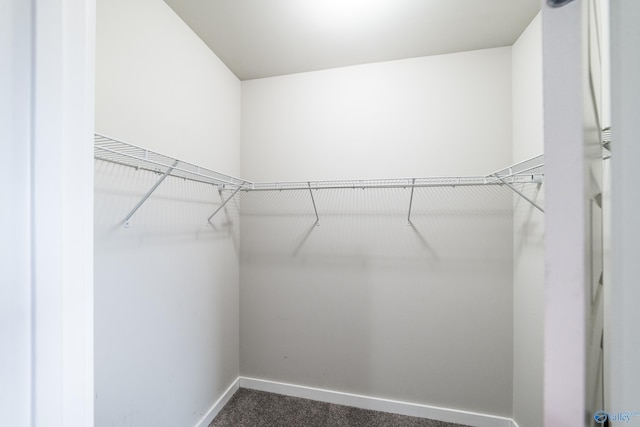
<point x="364" y="303"/>
<point x="528" y="231"/>
<point x="159" y="86"/>
<point x="166" y="301"/>
<point x="391" y="119"/>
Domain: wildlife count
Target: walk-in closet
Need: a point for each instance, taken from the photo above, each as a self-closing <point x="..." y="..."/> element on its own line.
<point x="366" y="230"/>
<point x="370" y="234"/>
<point x="322" y="213"/>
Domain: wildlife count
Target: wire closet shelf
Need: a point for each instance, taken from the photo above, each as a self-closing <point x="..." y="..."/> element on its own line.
<point x="530" y="171"/>
<point x="115" y="151"/>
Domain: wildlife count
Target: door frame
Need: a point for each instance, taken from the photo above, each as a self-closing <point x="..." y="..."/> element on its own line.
<point x="47" y="214"/>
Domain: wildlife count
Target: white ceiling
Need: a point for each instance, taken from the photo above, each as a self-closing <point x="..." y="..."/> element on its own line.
<point x="263" y="38"/>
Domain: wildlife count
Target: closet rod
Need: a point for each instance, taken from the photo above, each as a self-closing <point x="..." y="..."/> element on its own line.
<point x="148" y="169"/>
<point x="215" y="180"/>
<point x="517" y="169"/>
<point x="502" y="177"/>
<point x="118" y="152"/>
<point x="437" y="182"/>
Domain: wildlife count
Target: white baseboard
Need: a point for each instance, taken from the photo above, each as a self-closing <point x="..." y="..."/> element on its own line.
<point x="385" y="405"/>
<point x="211" y="414"/>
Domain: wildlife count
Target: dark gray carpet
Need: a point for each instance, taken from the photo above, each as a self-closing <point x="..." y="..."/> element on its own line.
<point x="251" y="408"/>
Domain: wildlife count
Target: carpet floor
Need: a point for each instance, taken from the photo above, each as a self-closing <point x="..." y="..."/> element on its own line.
<point x="251" y="408"/>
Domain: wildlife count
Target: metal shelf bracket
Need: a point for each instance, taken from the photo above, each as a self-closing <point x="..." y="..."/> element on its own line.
<point x="515" y="190"/>
<point x="413" y="186"/>
<point x="314" y="205"/>
<point x="223" y="205"/>
<point x="151" y="190"/>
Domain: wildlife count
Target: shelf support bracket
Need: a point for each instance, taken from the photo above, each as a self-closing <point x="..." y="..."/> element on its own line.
<point x="146" y="196"/>
<point x="413" y="186"/>
<point x="314" y="205"/>
<point x="223" y="205"/>
<point x="515" y="190"/>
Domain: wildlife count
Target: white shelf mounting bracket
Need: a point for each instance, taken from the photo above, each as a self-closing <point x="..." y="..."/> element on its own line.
<point x="151" y="190"/>
<point x="314" y="205"/>
<point x="515" y="190"/>
<point x="223" y="205"/>
<point x="413" y="186"/>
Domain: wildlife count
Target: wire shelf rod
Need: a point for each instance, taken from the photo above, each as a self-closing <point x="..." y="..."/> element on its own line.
<point x="515" y="179"/>
<point x="156" y="171"/>
<point x="213" y="178"/>
<point x="118" y="152"/>
<point x="509" y="175"/>
<point x="119" y="148"/>
<point x="513" y="166"/>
